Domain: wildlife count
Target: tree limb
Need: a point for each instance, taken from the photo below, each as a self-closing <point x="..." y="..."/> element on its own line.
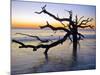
<point x="84" y="22"/>
<point x="70" y="38"/>
<point x="53" y="16"/>
<point x="61" y="22"/>
<point x="54" y="28"/>
<point x="80" y="19"/>
<point x="46" y="46"/>
<point x="81" y="35"/>
<point x="43" y="41"/>
<point x="23" y="45"/>
<point x="18" y="42"/>
<point x="70" y="13"/>
<point x="76" y="21"/>
<point x="90" y="26"/>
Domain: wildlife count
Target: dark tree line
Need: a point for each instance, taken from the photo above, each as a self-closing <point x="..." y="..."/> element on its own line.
<point x="71" y="29"/>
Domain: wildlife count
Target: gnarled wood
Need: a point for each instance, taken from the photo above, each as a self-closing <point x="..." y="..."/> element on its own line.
<point x="70" y="30"/>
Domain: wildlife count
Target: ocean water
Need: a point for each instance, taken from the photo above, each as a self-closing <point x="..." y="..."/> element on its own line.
<point x="60" y="57"/>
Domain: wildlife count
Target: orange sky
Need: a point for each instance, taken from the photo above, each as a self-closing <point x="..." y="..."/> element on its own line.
<point x="23" y="15"/>
<point x="23" y="24"/>
<point x="19" y="24"/>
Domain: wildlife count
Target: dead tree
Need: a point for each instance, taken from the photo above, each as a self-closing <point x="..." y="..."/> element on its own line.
<point x="71" y="29"/>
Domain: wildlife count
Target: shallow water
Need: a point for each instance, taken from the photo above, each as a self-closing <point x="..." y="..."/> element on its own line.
<point x="60" y="58"/>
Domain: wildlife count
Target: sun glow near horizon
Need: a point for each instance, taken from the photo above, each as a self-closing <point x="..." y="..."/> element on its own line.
<point x="23" y="15"/>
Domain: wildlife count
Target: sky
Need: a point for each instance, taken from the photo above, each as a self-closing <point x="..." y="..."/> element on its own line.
<point x="24" y="16"/>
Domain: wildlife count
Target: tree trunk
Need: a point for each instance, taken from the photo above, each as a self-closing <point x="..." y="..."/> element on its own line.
<point x="75" y="42"/>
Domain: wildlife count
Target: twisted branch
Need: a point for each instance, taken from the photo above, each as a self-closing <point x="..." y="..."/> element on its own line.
<point x="53" y="16"/>
<point x="90" y="26"/>
<point x="54" y="28"/>
<point x="46" y="46"/>
<point x="80" y="19"/>
<point x="22" y="45"/>
<point x="84" y="22"/>
<point x="43" y="41"/>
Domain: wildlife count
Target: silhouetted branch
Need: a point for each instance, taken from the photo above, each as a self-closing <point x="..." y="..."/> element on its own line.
<point x="63" y="25"/>
<point x="70" y="14"/>
<point x="80" y="19"/>
<point x="84" y="22"/>
<point x="23" y="45"/>
<point x="71" y="23"/>
<point x="43" y="9"/>
<point x="61" y="22"/>
<point x="55" y="28"/>
<point x="76" y="21"/>
<point x="70" y="38"/>
<point x="46" y="46"/>
<point x="53" y="16"/>
<point x="80" y="36"/>
<point x="18" y="42"/>
<point x="72" y="30"/>
<point x="43" y="41"/>
<point x="90" y="26"/>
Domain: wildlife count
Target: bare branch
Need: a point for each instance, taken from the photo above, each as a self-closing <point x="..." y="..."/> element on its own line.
<point x="63" y="25"/>
<point x="80" y="19"/>
<point x="43" y="41"/>
<point x="90" y="26"/>
<point x="43" y="9"/>
<point x="79" y="38"/>
<point x="84" y="22"/>
<point x="71" y="23"/>
<point x="55" y="28"/>
<point x="70" y="38"/>
<point x="18" y="42"/>
<point x="70" y="13"/>
<point x="61" y="22"/>
<point x="53" y="16"/>
<point x="46" y="46"/>
<point x="23" y="45"/>
<point x="80" y="35"/>
<point x="76" y="20"/>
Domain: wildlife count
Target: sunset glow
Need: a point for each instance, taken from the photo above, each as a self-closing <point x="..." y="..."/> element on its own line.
<point x="23" y="15"/>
